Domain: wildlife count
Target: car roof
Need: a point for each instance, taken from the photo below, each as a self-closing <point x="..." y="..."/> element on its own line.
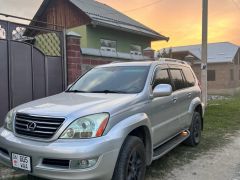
<point x="146" y="63"/>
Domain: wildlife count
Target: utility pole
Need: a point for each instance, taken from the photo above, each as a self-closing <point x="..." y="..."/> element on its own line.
<point x="204" y="51"/>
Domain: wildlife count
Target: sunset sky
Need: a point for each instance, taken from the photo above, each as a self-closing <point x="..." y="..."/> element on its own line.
<point x="178" y="19"/>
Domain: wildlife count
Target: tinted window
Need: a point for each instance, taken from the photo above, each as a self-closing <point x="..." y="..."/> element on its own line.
<point x="190" y="80"/>
<point x="177" y="78"/>
<point x="161" y="77"/>
<point x="125" y="79"/>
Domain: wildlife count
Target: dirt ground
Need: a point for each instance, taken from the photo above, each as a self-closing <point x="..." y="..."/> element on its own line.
<point x="219" y="164"/>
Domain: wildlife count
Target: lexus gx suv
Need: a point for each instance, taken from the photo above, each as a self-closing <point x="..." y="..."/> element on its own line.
<point x="110" y="124"/>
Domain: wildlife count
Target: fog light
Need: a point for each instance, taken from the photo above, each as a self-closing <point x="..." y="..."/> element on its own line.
<point x="83" y="164"/>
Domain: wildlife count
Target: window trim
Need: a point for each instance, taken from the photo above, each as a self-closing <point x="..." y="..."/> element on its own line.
<point x="168" y="67"/>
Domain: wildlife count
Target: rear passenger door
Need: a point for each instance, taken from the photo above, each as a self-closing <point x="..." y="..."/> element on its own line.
<point x="191" y="92"/>
<point x="180" y="108"/>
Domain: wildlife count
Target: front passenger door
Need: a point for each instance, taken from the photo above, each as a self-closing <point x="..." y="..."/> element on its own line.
<point x="162" y="117"/>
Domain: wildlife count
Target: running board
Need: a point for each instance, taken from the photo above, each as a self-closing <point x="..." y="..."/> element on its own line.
<point x="171" y="144"/>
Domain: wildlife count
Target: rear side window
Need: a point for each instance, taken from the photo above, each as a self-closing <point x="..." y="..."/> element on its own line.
<point x="178" y="79"/>
<point x="190" y="80"/>
<point x="161" y="77"/>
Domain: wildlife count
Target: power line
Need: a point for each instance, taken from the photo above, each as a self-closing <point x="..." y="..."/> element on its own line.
<point x="236" y="4"/>
<point x="144" y="6"/>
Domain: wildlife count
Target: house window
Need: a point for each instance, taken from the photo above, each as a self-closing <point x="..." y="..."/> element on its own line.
<point x="136" y="50"/>
<point x="231" y="74"/>
<point x="108" y="45"/>
<point x="211" y="75"/>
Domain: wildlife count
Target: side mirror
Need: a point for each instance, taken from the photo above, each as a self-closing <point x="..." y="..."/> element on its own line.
<point x="162" y="90"/>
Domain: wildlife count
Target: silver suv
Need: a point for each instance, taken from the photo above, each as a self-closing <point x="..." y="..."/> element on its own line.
<point x="110" y="124"/>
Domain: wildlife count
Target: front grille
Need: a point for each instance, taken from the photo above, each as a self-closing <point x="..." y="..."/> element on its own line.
<point x="40" y="127"/>
<point x="56" y="163"/>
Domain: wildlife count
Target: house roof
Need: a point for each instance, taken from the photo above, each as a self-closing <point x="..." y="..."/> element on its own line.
<point x="104" y="15"/>
<point x="221" y="52"/>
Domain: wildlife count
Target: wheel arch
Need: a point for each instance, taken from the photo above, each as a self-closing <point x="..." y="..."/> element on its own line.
<point x="143" y="133"/>
<point x="197" y="106"/>
<point x="138" y="125"/>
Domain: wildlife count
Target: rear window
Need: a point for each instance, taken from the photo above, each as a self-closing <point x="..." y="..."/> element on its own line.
<point x="190" y="80"/>
<point x="178" y="79"/>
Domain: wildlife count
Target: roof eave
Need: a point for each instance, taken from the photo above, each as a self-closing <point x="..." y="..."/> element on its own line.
<point x="41" y="9"/>
<point x="157" y="37"/>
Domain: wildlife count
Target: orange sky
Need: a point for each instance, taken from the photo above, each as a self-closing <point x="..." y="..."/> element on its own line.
<point x="181" y="19"/>
<point x="178" y="19"/>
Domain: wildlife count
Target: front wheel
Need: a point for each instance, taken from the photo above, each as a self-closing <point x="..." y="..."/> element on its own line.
<point x="131" y="164"/>
<point x="195" y="130"/>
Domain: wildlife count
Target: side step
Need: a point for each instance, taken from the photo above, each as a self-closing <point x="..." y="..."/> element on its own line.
<point x="171" y="144"/>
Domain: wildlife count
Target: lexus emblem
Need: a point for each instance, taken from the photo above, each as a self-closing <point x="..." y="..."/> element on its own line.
<point x="31" y="126"/>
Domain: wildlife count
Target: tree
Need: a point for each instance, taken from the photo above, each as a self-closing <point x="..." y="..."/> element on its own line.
<point x="165" y="54"/>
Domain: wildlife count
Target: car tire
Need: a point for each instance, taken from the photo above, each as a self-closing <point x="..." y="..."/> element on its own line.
<point x="131" y="164"/>
<point x="195" y="130"/>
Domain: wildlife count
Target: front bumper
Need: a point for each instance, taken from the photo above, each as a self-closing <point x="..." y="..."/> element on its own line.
<point x="106" y="149"/>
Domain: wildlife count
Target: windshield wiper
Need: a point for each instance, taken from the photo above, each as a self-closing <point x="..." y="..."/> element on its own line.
<point x="77" y="91"/>
<point x="109" y="92"/>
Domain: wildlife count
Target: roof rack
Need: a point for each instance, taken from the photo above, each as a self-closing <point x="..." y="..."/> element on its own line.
<point x="174" y="60"/>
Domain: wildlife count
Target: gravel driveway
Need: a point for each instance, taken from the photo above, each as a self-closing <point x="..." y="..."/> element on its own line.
<point x="220" y="164"/>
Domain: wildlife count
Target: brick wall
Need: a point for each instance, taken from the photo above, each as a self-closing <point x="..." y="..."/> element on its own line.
<point x="73" y="58"/>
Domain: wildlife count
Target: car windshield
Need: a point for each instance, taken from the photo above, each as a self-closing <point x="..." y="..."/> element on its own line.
<point x="118" y="79"/>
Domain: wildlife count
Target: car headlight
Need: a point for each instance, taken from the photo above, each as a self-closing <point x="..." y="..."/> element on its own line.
<point x="87" y="127"/>
<point x="9" y="120"/>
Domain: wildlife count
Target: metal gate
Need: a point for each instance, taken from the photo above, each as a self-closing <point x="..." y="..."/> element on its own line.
<point x="31" y="64"/>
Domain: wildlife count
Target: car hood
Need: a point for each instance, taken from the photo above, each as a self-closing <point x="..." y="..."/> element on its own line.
<point x="77" y="104"/>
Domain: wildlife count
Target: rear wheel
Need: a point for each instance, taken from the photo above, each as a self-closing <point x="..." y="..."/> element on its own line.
<point x="131" y="163"/>
<point x="195" y="130"/>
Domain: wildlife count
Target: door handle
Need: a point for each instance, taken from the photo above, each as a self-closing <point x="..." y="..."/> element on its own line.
<point x="189" y="95"/>
<point x="174" y="99"/>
